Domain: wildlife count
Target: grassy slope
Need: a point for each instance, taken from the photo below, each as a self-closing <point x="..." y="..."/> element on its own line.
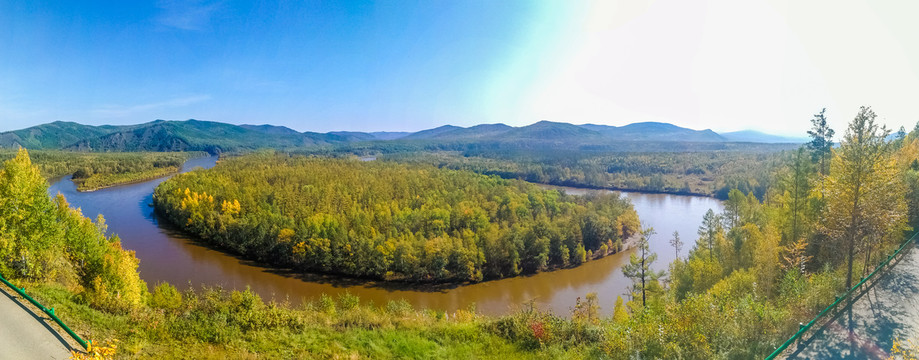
<point x="366" y="332"/>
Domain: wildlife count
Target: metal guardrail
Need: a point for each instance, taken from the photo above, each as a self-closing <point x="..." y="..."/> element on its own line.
<point x="50" y="312"/>
<point x="805" y="327"/>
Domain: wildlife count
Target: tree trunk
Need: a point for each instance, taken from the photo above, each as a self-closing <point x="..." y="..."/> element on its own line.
<point x="851" y="259"/>
<point x="643" y="277"/>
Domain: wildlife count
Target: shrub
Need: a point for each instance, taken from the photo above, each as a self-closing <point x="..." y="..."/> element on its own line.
<point x="166" y="296"/>
<point x="399" y="308"/>
<point x="326" y="304"/>
<point x="348" y="301"/>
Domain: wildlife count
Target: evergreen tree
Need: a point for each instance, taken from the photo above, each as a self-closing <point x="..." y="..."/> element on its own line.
<point x="710" y="230"/>
<point x="821" y="144"/>
<point x="676" y="243"/>
<point x="639" y="267"/>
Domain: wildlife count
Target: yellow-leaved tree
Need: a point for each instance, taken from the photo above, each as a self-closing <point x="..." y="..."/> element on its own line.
<point x="45" y="240"/>
<point x="864" y="192"/>
<point x="30" y="236"/>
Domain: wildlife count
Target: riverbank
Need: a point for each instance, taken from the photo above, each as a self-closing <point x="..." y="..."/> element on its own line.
<point x="168" y="255"/>
<point x="631" y="190"/>
<point x="93" y="183"/>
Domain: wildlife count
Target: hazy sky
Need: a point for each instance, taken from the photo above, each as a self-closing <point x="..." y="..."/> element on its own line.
<point x="402" y="65"/>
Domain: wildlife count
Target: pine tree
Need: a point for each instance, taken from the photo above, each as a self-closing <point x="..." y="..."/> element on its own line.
<point x="639" y="267"/>
<point x="676" y="243"/>
<point x="822" y="143"/>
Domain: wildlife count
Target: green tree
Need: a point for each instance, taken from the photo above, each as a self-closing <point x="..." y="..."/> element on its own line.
<point x="821" y="143"/>
<point x="710" y="231"/>
<point x="639" y="267"/>
<point x="620" y="315"/>
<point x="797" y="184"/>
<point x="676" y="243"/>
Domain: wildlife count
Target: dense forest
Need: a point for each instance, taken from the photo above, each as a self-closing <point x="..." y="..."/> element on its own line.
<point x="93" y="171"/>
<point x="712" y="173"/>
<point x="385" y="220"/>
<point x="699" y="168"/>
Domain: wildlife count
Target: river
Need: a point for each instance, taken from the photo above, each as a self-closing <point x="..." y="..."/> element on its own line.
<point x="167" y="255"/>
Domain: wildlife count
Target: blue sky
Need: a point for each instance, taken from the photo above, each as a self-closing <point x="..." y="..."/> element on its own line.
<point x="402" y="65"/>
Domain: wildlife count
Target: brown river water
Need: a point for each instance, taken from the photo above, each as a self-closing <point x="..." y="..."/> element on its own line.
<point x="167" y="255"/>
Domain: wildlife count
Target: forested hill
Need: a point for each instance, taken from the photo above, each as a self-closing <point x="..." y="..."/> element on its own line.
<point x="56" y="135"/>
<point x="214" y="137"/>
<point x="564" y="132"/>
<point x="163" y="135"/>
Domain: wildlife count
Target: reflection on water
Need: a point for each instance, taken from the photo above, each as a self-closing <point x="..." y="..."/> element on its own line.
<point x="168" y="255"/>
<point x="666" y="214"/>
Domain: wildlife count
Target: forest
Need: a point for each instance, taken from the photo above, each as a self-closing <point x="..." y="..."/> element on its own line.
<point x="691" y="173"/>
<point x="707" y="169"/>
<point x="93" y="171"/>
<point x="391" y="221"/>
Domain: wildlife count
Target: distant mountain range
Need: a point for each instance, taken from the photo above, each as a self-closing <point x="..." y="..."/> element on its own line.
<point x="760" y="137"/>
<point x="197" y="135"/>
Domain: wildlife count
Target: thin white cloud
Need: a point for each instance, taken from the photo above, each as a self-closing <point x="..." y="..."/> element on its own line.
<point x="115" y="111"/>
<point x="186" y="15"/>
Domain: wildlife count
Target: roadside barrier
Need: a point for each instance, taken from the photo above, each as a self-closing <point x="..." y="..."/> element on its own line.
<point x="805" y="327"/>
<point x="50" y="312"/>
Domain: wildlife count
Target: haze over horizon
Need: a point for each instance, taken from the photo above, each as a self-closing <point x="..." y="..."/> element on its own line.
<point x="723" y="65"/>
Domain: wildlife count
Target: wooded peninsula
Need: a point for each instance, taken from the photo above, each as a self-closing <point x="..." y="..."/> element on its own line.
<point x="385" y="220"/>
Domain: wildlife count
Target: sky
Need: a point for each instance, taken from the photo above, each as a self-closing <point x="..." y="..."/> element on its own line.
<point x="725" y="65"/>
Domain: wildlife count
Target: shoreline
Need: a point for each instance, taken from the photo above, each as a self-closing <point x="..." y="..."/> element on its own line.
<point x="618" y="189"/>
<point x="130" y="182"/>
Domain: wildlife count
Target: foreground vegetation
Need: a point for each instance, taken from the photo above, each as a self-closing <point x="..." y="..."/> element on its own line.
<point x="755" y="271"/>
<point x="391" y="221"/>
<point x="93" y="171"/>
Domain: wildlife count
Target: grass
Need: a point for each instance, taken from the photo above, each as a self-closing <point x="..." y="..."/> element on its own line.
<point x="215" y="324"/>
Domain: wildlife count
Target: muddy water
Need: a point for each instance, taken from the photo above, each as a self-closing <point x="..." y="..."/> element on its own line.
<point x="167" y="255"/>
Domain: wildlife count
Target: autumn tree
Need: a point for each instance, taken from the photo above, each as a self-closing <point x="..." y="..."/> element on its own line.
<point x="864" y="195"/>
<point x="796" y="257"/>
<point x="29" y="236"/>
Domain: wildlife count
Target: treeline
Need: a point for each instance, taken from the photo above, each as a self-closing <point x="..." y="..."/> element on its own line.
<point x="710" y="169"/>
<point x="698" y="173"/>
<point x="391" y="221"/>
<point x="92" y="171"/>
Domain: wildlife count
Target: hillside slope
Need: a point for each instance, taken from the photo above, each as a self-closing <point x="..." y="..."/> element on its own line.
<point x="53" y="135"/>
<point x="655" y="131"/>
<point x="760" y="137"/>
